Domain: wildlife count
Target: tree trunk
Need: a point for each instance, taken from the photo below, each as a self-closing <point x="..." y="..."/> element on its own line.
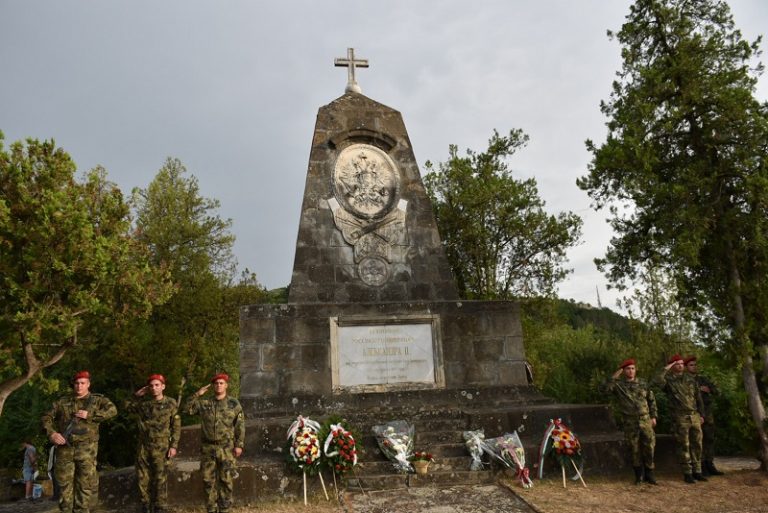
<point x="34" y="365"/>
<point x="9" y="386"/>
<point x="755" y="406"/>
<point x="744" y="348"/>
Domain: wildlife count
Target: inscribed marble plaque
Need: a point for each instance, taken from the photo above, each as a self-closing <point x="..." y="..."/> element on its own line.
<point x="384" y="354"/>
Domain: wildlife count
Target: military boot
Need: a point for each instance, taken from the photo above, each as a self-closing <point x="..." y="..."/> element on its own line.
<point x="688" y="478"/>
<point x="638" y="475"/>
<point x="711" y="468"/>
<point x="699" y="477"/>
<point x="649" y="476"/>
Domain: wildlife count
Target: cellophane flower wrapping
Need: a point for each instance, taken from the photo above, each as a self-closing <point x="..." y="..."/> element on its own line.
<point x="395" y="440"/>
<point x="508" y="449"/>
<point x="304" y="446"/>
<point x="474" y="442"/>
<point x="340" y="449"/>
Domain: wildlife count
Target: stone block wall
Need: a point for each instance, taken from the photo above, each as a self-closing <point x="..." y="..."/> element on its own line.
<point x="286" y="349"/>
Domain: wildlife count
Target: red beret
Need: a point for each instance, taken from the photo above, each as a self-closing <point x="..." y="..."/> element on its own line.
<point x="689" y="359"/>
<point x="627" y="363"/>
<point x="675" y="358"/>
<point x="222" y="375"/>
<point x="83" y="374"/>
<point x="158" y="377"/>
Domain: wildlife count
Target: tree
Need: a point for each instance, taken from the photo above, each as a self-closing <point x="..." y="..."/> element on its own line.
<point x="68" y="263"/>
<point x="664" y="322"/>
<point x="683" y="168"/>
<point x="196" y="331"/>
<point x="499" y="240"/>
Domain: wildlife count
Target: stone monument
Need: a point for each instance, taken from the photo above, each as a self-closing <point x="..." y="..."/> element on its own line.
<point x="372" y="304"/>
<point x="374" y="330"/>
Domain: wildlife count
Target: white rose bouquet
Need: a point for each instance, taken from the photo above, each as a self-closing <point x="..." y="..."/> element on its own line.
<point x="395" y="440"/>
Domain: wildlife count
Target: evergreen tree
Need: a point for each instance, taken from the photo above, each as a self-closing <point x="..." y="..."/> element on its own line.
<point x="683" y="168"/>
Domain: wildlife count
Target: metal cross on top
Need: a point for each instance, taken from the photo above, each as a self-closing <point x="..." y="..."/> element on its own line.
<point x="351" y="63"/>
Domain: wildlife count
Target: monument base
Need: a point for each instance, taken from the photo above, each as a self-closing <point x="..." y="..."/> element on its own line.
<point x="336" y="353"/>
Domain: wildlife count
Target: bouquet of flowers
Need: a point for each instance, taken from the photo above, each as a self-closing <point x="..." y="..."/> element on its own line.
<point x="564" y="445"/>
<point x="340" y="449"/>
<point x="395" y="440"/>
<point x="304" y="446"/>
<point x="508" y="449"/>
<point x="474" y="442"/>
<point x="421" y="456"/>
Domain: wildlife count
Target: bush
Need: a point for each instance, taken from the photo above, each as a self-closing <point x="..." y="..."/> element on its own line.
<point x="574" y="349"/>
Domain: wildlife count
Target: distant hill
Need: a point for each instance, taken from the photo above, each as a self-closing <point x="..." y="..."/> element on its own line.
<point x="579" y="315"/>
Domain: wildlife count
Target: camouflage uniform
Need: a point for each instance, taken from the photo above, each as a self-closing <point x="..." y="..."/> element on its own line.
<point x="708" y="427"/>
<point x="222" y="429"/>
<point x="75" y="467"/>
<point x="685" y="405"/>
<point x="638" y="406"/>
<point x="159" y="430"/>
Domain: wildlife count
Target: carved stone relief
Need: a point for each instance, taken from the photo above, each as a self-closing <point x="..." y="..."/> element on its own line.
<point x="367" y="209"/>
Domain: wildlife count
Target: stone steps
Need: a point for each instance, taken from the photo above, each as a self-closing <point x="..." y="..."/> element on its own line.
<point x="433" y="478"/>
<point x="438" y="430"/>
<point x="267" y="475"/>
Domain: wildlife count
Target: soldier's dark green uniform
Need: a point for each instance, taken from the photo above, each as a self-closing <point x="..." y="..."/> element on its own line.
<point x="637" y="404"/>
<point x="75" y="466"/>
<point x="159" y="430"/>
<point x="222" y="428"/>
<point x="685" y="405"/>
<point x="708" y="426"/>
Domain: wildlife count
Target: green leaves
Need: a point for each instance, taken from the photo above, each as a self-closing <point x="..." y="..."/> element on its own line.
<point x="499" y="240"/>
<point x="686" y="152"/>
<point x="68" y="264"/>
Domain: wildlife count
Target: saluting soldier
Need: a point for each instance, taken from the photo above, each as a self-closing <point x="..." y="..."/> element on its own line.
<point x="638" y="413"/>
<point x="159" y="431"/>
<point x="685" y="407"/>
<point x="222" y="433"/>
<point x="72" y="425"/>
<point x="708" y="390"/>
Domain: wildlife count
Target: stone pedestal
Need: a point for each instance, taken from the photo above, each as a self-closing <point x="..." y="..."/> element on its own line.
<point x="287" y="351"/>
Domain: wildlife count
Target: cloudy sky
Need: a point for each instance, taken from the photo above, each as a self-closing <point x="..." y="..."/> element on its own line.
<point x="232" y="89"/>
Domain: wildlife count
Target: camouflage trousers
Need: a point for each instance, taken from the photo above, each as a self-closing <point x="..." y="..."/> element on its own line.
<point x="638" y="432"/>
<point x="687" y="431"/>
<point x="152" y="474"/>
<point x="75" y="471"/>
<point x="708" y="439"/>
<point x="217" y="463"/>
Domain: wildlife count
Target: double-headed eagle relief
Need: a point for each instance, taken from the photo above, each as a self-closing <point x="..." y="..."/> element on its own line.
<point x="367" y="209"/>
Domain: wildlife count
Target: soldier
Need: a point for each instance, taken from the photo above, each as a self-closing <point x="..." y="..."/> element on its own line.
<point x="159" y="431"/>
<point x="638" y="412"/>
<point x="708" y="390"/>
<point x="222" y="434"/>
<point x="685" y="408"/>
<point x="73" y="427"/>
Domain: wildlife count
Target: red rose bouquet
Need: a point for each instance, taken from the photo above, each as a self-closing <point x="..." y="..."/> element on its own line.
<point x="339" y="449"/>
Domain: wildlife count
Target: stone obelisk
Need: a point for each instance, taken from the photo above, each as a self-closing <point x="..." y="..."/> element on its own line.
<point x="372" y="306"/>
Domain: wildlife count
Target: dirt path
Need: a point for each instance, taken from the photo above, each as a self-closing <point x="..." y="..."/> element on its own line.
<point x="743" y="489"/>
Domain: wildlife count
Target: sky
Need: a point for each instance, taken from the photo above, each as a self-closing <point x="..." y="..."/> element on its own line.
<point x="232" y="89"/>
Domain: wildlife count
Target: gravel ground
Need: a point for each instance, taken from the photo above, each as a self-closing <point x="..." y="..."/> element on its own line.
<point x="744" y="489"/>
